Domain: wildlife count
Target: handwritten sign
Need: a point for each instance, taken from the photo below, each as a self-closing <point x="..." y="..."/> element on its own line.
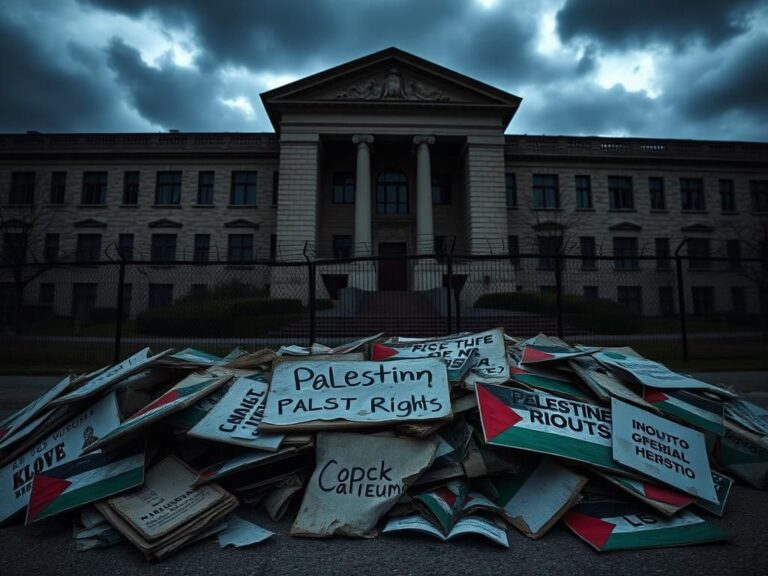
<point x="662" y="449"/>
<point x="319" y="393"/>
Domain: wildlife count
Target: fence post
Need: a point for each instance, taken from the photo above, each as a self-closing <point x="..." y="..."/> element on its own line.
<point x="120" y="310"/>
<point x="449" y="293"/>
<point x="681" y="300"/>
<point x="559" y="292"/>
<point x="312" y="302"/>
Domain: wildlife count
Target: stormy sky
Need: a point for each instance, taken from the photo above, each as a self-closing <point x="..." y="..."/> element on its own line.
<point x="652" y="68"/>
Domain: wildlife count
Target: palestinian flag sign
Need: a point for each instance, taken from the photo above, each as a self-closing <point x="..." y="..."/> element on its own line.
<point x="87" y="479"/>
<point x="742" y="458"/>
<point x="540" y="353"/>
<point x="543" y="423"/>
<point x="187" y="418"/>
<point x="185" y="393"/>
<point x="723" y="486"/>
<point x="616" y="525"/>
<point x="547" y="380"/>
<point x="666" y="500"/>
<point x="688" y="407"/>
<point x="248" y="459"/>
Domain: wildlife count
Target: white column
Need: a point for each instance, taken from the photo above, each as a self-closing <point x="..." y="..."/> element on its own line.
<point x="362" y="238"/>
<point x="425" y="239"/>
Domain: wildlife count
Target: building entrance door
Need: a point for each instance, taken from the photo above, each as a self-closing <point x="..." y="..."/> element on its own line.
<point x="393" y="272"/>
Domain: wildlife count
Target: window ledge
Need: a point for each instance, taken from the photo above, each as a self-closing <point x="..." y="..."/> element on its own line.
<point x="204" y="206"/>
<point x="729" y="213"/>
<point x="622" y="210"/>
<point x="693" y="211"/>
<point x="171" y="206"/>
<point x="129" y="206"/>
<point x="161" y="266"/>
<point x="19" y="205"/>
<point x="585" y="209"/>
<point x="91" y="205"/>
<point x="659" y="211"/>
<point x="548" y="209"/>
<point x="240" y="266"/>
<point x="241" y="206"/>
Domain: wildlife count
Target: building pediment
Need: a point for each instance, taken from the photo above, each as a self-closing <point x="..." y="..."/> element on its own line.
<point x="164" y="223"/>
<point x="241" y="223"/>
<point x="90" y="223"/>
<point x="700" y="228"/>
<point x="625" y="227"/>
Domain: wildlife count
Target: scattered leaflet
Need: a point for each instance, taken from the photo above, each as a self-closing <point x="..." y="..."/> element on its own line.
<point x="475" y="525"/>
<point x="239" y="533"/>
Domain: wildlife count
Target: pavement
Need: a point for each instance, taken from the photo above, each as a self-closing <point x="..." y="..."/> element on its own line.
<point x="47" y="547"/>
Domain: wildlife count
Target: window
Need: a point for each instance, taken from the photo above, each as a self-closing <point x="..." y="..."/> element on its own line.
<point x="51" y="248"/>
<point x="588" y="252"/>
<point x="549" y="246"/>
<point x="273" y="247"/>
<point x="510" y="186"/>
<point x="631" y="298"/>
<point x="727" y="196"/>
<point x="58" y="187"/>
<point x="738" y="299"/>
<point x="163" y="248"/>
<point x="666" y="301"/>
<point x="692" y="194"/>
<point x="343" y="188"/>
<point x="160" y="295"/>
<point x="131" y="187"/>
<point x="703" y="300"/>
<point x="202" y="248"/>
<point x="583" y="192"/>
<point x="546" y="192"/>
<point x="392" y="193"/>
<point x="275" y="187"/>
<point x="662" y="253"/>
<point x="625" y="253"/>
<point x="441" y="188"/>
<point x="620" y="194"/>
<point x="47" y="293"/>
<point x="733" y="252"/>
<point x="168" y="189"/>
<point x="758" y="190"/>
<point x="342" y="246"/>
<point x="698" y="252"/>
<point x="94" y="188"/>
<point x="243" y="191"/>
<point x="513" y="248"/>
<point x="240" y="248"/>
<point x="656" y="188"/>
<point x="205" y="187"/>
<point x="125" y="246"/>
<point x="22" y="188"/>
<point x="15" y="247"/>
<point x="590" y="293"/>
<point x="88" y="247"/>
<point x="83" y="299"/>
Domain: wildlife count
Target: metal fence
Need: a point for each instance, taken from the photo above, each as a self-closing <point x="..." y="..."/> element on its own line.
<point x="81" y="314"/>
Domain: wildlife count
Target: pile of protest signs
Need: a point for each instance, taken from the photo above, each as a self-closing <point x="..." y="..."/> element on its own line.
<point x="471" y="434"/>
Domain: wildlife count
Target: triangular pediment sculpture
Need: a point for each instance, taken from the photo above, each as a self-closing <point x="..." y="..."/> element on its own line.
<point x="90" y="223"/>
<point x="698" y="227"/>
<point x="625" y="227"/>
<point x="164" y="223"/>
<point x="241" y="223"/>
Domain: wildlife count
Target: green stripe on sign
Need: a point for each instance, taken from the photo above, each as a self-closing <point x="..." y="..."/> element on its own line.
<point x="689" y="417"/>
<point x="665" y="537"/>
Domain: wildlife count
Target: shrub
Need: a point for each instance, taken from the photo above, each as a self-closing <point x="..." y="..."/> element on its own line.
<point x="265" y="306"/>
<point x="102" y="315"/>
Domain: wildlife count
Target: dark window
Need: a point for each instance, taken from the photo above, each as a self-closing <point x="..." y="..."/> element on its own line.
<point x="583" y="192"/>
<point x="513" y="249"/>
<point x="546" y="191"/>
<point x="631" y="297"/>
<point x="15" y="246"/>
<point x="549" y="247"/>
<point x="58" y="187"/>
<point x="47" y="293"/>
<point x="94" y="188"/>
<point x="240" y="248"/>
<point x="83" y="299"/>
<point x="758" y="190"/>
<point x="125" y="246"/>
<point x="202" y="247"/>
<point x="439" y="245"/>
<point x="590" y="292"/>
<point x="343" y="188"/>
<point x="738" y="299"/>
<point x="441" y="188"/>
<point x="392" y="193"/>
<point x="656" y="188"/>
<point x="160" y="295"/>
<point x="205" y="187"/>
<point x="163" y="249"/>
<point x="733" y="252"/>
<point x="275" y="187"/>
<point x="625" y="253"/>
<point x="88" y="247"/>
<point x="727" y="196"/>
<point x="510" y="186"/>
<point x="131" y="187"/>
<point x="273" y="247"/>
<point x="692" y="194"/>
<point x="243" y="191"/>
<point x="703" y="300"/>
<point x="620" y="193"/>
<point x="698" y="252"/>
<point x="342" y="246"/>
<point x="588" y="252"/>
<point x="51" y="247"/>
<point x="662" y="253"/>
<point x="22" y="188"/>
<point x="666" y="301"/>
<point x="168" y="189"/>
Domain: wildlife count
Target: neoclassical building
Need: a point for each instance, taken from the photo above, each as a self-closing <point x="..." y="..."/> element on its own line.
<point x="392" y="155"/>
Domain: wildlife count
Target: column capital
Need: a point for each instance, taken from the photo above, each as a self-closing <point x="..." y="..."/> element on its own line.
<point x="429" y="140"/>
<point x="362" y="139"/>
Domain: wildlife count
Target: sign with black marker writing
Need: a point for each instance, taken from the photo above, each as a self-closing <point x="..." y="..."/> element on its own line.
<point x="319" y="393"/>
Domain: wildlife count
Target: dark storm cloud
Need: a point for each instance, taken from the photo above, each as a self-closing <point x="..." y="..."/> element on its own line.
<point x="631" y="23"/>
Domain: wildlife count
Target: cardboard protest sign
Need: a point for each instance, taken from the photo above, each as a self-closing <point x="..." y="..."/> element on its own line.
<point x="547" y="424"/>
<point x="186" y="392"/>
<point x="547" y="380"/>
<point x="21" y="432"/>
<point x="743" y="458"/>
<point x="490" y="361"/>
<point x="540" y="353"/>
<point x="188" y="417"/>
<point x="604" y="384"/>
<point x="85" y="480"/>
<point x="688" y="407"/>
<point x="748" y="415"/>
<point x="356" y="480"/>
<point x="661" y="449"/>
<point x="246" y="460"/>
<point x="11" y="425"/>
<point x="536" y="497"/>
<point x="666" y="500"/>
<point x="453" y="443"/>
<point x="320" y="394"/>
<point x="197" y="357"/>
<point x="235" y="419"/>
<point x="476" y="525"/>
<point x="319" y="349"/>
<point x="723" y="486"/>
<point x="104" y="380"/>
<point x="608" y="525"/>
<point x="62" y="446"/>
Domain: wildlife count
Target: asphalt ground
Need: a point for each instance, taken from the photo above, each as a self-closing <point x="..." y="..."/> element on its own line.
<point x="47" y="547"/>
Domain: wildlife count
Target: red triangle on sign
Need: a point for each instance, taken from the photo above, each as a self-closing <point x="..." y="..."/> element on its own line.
<point x="672" y="497"/>
<point x="495" y="416"/>
<point x="593" y="530"/>
<point x="654" y="396"/>
<point x="166" y="398"/>
<point x="45" y="489"/>
<point x="381" y="352"/>
<point x="532" y="355"/>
